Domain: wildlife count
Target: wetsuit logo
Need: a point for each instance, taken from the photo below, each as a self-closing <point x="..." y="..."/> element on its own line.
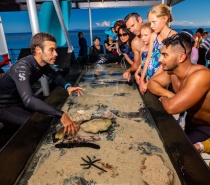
<point x="22" y="76"/>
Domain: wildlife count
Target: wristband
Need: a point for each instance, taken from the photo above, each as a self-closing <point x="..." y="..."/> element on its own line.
<point x="67" y="85"/>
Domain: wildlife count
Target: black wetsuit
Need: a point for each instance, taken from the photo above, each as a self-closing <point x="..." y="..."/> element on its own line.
<point x="17" y="100"/>
<point x="83" y="47"/>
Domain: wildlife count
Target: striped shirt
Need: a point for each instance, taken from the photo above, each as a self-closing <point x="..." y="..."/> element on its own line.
<point x="206" y="43"/>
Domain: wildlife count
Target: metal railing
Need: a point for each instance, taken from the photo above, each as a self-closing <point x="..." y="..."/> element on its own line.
<point x="14" y="53"/>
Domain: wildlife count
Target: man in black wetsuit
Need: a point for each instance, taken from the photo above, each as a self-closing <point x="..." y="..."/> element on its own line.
<point x="17" y="101"/>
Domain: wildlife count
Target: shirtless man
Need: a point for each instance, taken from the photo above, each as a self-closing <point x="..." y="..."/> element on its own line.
<point x="133" y="23"/>
<point x="191" y="84"/>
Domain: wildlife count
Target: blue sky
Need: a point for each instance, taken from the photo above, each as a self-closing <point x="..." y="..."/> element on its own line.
<point x="193" y="13"/>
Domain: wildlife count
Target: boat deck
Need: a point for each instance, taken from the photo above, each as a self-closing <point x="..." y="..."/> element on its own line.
<point x="143" y="144"/>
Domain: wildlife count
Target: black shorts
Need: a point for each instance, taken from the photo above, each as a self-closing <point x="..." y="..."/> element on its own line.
<point x="195" y="132"/>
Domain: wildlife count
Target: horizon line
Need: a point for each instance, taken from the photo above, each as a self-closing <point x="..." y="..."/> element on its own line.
<point x="104" y="28"/>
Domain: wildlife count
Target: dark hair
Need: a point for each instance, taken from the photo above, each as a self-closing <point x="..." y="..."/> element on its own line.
<point x="190" y="33"/>
<point x="179" y="40"/>
<point x="200" y="30"/>
<point x="96" y="38"/>
<point x="80" y="33"/>
<point x="133" y="14"/>
<point x="38" y="39"/>
<point x="118" y="23"/>
<point x="107" y="37"/>
<point x="131" y="36"/>
<point x="205" y="32"/>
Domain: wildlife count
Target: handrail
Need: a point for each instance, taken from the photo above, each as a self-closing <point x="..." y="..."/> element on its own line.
<point x="14" y="53"/>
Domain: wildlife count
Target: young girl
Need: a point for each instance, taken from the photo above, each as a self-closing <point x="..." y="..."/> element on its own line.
<point x="159" y="16"/>
<point x="146" y="32"/>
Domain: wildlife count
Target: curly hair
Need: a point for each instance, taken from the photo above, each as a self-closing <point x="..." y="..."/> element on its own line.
<point x="38" y="39"/>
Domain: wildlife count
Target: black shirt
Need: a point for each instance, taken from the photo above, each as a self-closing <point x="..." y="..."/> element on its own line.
<point x="95" y="51"/>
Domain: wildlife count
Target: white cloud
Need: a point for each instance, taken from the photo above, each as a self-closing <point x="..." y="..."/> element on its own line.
<point x="182" y="23"/>
<point x="190" y="23"/>
<point x="174" y="23"/>
<point x="103" y="24"/>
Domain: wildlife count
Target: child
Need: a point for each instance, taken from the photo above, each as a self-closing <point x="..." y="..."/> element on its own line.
<point x="159" y="16"/>
<point x="146" y="32"/>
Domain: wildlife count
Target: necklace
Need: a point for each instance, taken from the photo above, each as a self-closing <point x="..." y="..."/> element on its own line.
<point x="185" y="77"/>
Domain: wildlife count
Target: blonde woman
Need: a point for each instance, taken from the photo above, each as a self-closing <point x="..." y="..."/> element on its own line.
<point x="159" y="16"/>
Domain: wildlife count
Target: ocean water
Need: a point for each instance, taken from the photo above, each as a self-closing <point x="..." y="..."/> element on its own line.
<point x="16" y="41"/>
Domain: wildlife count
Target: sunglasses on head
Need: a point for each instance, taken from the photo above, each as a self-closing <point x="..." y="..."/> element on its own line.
<point x="124" y="35"/>
<point x="177" y="37"/>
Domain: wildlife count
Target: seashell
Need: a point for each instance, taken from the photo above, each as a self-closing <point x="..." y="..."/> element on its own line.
<point x="81" y="115"/>
<point x="96" y="125"/>
<point x="107" y="115"/>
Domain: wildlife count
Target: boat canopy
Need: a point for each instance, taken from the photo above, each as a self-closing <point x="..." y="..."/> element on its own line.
<point x="62" y="36"/>
<point x="17" y="5"/>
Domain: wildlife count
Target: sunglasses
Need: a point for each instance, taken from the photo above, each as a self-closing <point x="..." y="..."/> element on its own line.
<point x="177" y="37"/>
<point x="124" y="35"/>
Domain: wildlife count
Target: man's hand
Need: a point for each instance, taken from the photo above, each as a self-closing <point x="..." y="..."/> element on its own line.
<point x="79" y="90"/>
<point x="69" y="125"/>
<point x="127" y="75"/>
